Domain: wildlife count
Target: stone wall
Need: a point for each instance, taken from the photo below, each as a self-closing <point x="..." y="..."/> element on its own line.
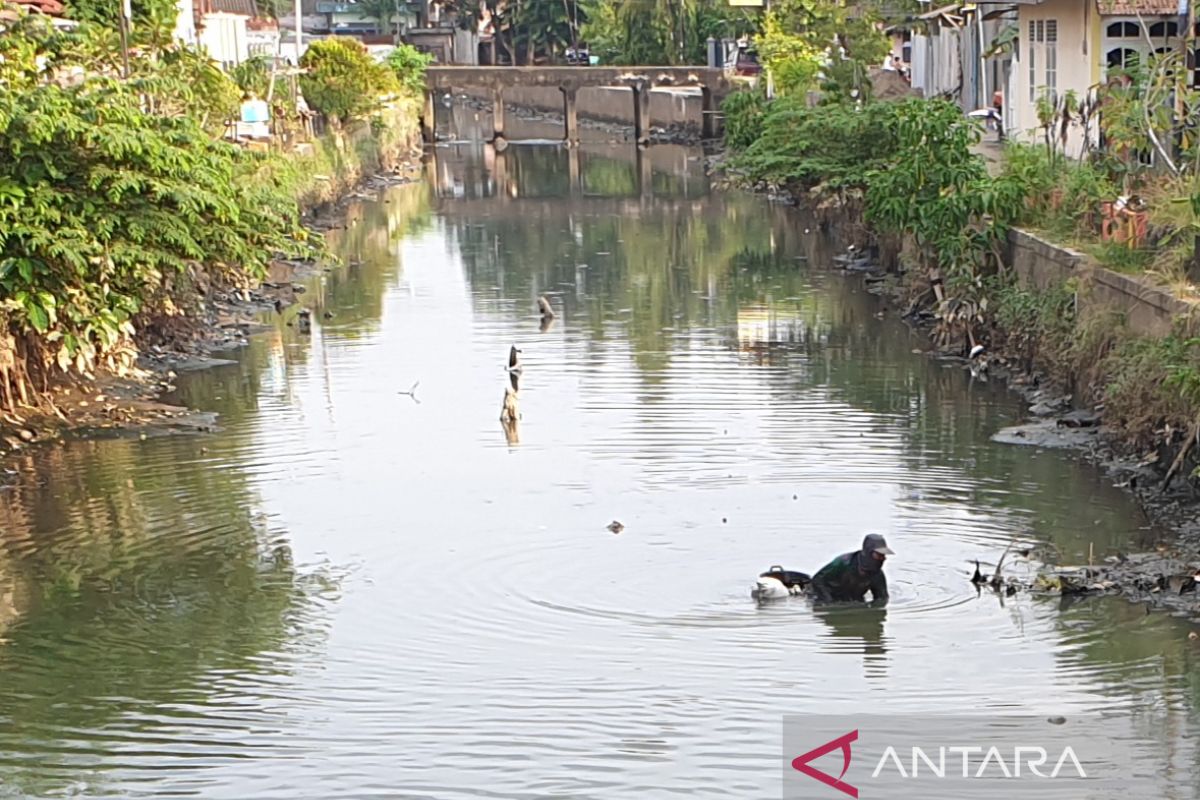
<point x="1149" y="310"/>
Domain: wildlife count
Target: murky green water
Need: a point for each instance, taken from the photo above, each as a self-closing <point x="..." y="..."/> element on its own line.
<point x="353" y="593"/>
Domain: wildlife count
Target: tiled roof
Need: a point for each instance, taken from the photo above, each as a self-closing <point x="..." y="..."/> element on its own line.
<point x="52" y="7"/>
<point x="1132" y="8"/>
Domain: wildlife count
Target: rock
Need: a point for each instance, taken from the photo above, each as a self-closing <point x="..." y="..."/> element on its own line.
<point x="1081" y="418"/>
<point x="1046" y="433"/>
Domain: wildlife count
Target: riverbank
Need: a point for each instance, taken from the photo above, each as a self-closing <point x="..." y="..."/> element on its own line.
<point x="324" y="175"/>
<point x="1062" y="332"/>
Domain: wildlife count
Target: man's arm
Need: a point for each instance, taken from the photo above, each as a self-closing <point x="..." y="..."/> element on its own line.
<point x="879" y="590"/>
<point x="821" y="590"/>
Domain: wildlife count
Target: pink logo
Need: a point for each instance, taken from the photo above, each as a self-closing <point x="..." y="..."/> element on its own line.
<point x="801" y="763"/>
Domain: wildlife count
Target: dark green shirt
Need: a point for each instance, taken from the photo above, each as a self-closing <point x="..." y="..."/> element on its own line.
<point x="843" y="580"/>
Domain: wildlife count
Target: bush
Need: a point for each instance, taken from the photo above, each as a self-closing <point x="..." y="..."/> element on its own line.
<point x="835" y="145"/>
<point x="744" y="112"/>
<point x="343" y="81"/>
<point x="110" y="213"/>
<point x="408" y="64"/>
<point x="1062" y="197"/>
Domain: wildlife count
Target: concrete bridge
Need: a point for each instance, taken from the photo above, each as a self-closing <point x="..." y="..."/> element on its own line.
<point x="712" y="83"/>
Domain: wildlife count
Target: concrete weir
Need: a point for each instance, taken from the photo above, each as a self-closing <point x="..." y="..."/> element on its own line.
<point x="713" y="85"/>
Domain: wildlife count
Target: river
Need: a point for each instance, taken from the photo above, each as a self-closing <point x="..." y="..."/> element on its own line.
<point x="352" y="592"/>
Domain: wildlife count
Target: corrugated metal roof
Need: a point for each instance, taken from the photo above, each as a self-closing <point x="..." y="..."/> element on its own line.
<point x="937" y="12"/>
<point x="1132" y="8"/>
<point x="246" y="8"/>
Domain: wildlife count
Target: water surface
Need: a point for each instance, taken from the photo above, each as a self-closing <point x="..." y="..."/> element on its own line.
<point x="351" y="592"/>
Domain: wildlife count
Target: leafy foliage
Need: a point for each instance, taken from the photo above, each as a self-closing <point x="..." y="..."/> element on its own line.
<point x="146" y="13"/>
<point x="408" y="63"/>
<point x="935" y="189"/>
<point x="114" y="204"/>
<point x="343" y="81"/>
<point x="810" y="44"/>
<point x="744" y="113"/>
<point x="660" y="31"/>
<point x="834" y="145"/>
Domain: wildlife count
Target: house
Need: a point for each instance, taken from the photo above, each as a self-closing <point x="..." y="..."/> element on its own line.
<point x="232" y="30"/>
<point x="935" y="63"/>
<point x="1071" y="45"/>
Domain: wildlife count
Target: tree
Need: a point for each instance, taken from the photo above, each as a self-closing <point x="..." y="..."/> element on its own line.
<point x="661" y="31"/>
<point x="107" y="12"/>
<point x="342" y="80"/>
<point x="114" y="201"/>
<point x="808" y="44"/>
<point x="527" y="31"/>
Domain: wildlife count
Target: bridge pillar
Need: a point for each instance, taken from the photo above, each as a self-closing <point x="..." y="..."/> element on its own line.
<point x="429" y="118"/>
<point x="641" y="113"/>
<point x="497" y="113"/>
<point x="570" y="116"/>
<point x="708" y="114"/>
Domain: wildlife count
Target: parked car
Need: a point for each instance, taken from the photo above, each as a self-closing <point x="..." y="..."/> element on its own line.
<point x="747" y="62"/>
<point x="578" y="56"/>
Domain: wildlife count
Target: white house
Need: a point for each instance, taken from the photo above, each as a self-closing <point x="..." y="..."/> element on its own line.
<point x="1070" y="45"/>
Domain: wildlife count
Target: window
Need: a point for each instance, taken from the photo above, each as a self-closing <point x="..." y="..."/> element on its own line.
<point x="1043" y="36"/>
<point x="1125" y="30"/>
<point x="1121" y="58"/>
<point x="1033" y="48"/>
<point x="1164" y="30"/>
<point x="1052" y="58"/>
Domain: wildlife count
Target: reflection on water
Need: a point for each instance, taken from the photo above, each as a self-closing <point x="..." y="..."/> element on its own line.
<point x="352" y="590"/>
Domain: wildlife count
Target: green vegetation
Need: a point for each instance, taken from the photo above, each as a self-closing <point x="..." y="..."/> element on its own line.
<point x="744" y="116"/>
<point x="119" y="206"/>
<point x="811" y="44"/>
<point x="146" y="13"/>
<point x="801" y="147"/>
<point x="408" y="64"/>
<point x="659" y="32"/>
<point x="343" y="81"/>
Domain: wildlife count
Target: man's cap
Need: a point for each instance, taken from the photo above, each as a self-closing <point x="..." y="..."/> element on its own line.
<point x="876" y="543"/>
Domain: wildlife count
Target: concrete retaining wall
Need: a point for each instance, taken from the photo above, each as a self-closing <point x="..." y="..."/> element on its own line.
<point x="1148" y="310"/>
<point x="669" y="108"/>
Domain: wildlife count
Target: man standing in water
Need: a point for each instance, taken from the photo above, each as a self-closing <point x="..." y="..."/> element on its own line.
<point x="850" y="576"/>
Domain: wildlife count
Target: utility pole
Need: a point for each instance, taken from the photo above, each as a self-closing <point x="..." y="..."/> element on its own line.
<point x="766" y="68"/>
<point x="126" y="22"/>
<point x="299" y="12"/>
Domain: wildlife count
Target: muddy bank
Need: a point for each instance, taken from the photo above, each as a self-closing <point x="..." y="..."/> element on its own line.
<point x="128" y="405"/>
